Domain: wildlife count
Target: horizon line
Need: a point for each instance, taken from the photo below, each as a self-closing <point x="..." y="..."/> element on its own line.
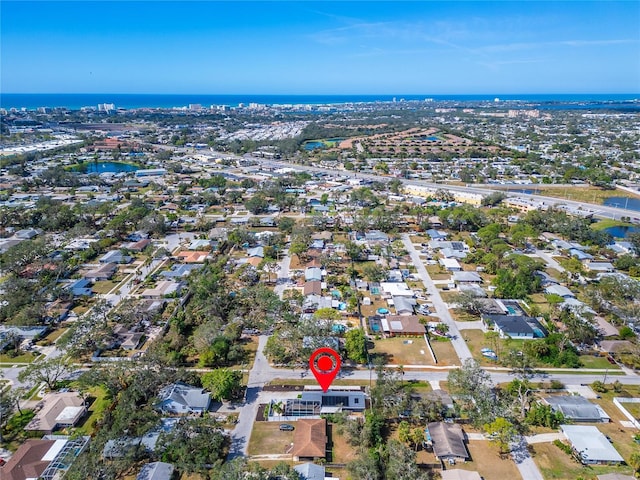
<point x="318" y="94"/>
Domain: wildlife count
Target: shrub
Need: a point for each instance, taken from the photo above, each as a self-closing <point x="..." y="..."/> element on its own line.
<point x="563" y="446"/>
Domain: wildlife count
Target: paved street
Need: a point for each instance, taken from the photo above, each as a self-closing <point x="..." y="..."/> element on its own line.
<point x="549" y="260"/>
<point x="259" y="375"/>
<point x="462" y="350"/>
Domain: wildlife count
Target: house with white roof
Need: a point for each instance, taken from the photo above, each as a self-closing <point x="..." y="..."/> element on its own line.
<point x="450" y="264"/>
<point x="591" y="446"/>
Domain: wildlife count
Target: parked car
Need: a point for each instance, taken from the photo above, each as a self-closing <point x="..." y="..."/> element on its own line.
<point x="285" y="427"/>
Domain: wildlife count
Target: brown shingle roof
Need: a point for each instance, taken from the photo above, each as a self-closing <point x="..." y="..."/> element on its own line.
<point x="312" y="288"/>
<point x="310" y="438"/>
<point x="27" y="461"/>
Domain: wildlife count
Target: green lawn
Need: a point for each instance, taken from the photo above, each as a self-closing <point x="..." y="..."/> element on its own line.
<point x="589" y="361"/>
<point x="99" y="403"/>
<point x="25" y="357"/>
<point x="557" y="465"/>
<point x="104" y="286"/>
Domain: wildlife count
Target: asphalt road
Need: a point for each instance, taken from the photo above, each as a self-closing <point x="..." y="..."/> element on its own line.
<point x="460" y="346"/>
<point x="599" y="210"/>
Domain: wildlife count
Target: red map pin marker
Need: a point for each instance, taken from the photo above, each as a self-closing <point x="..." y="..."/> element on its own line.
<point x="325" y="365"/>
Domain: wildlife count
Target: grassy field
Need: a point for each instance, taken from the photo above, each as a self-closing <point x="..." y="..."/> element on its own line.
<point x="403" y="351"/>
<point x="104" y="286"/>
<point x="266" y="438"/>
<point x="52" y="337"/>
<point x="554" y="464"/>
<point x="445" y="353"/>
<point x="632" y="408"/>
<point x="608" y="223"/>
<point x="99" y="403"/>
<point x="25" y="357"/>
<point x="341" y="451"/>
<point x="475" y="341"/>
<point x="486" y="460"/>
<point x="588" y="194"/>
<point x="589" y="361"/>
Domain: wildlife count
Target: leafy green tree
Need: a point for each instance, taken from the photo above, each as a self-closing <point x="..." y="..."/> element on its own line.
<point x="501" y="432"/>
<point x="286" y="224"/>
<point x="196" y="445"/>
<point x="49" y="371"/>
<point x="224" y="384"/>
<point x="543" y="415"/>
<point x="373" y="272"/>
<point x="356" y="345"/>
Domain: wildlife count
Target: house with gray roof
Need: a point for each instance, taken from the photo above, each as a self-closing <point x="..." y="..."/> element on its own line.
<point x="466" y="277"/>
<point x="156" y="471"/>
<point x="115" y="256"/>
<point x="180" y="398"/>
<point x="447" y="440"/>
<point x="310" y="471"/>
<point x="591" y="446"/>
<point x="515" y="326"/>
<point x="559" y="290"/>
<point x="577" y="409"/>
<point x="313" y="274"/>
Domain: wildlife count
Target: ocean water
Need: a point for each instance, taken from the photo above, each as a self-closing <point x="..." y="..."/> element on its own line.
<point x="73" y="101"/>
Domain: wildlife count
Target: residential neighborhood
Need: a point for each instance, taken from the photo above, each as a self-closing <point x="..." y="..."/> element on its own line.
<point x="166" y="277"/>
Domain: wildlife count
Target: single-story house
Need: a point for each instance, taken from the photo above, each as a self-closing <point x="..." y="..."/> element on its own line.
<point x="200" y="244"/>
<point x="313" y="273"/>
<point x="312" y="303"/>
<point x="451" y="253"/>
<point x="336" y="398"/>
<point x="139" y="245"/>
<point x="457" y="474"/>
<point x="103" y="272"/>
<point x="49" y="457"/>
<point x="156" y="471"/>
<point x="579" y="254"/>
<point x="310" y="439"/>
<point x="396" y="289"/>
<point x="181" y="398"/>
<point x="615" y="476"/>
<point x="115" y="256"/>
<point x="197" y="256"/>
<point x="59" y="410"/>
<point x="162" y="289"/>
<point x="545" y="278"/>
<point x="376" y="236"/>
<point x="256" y="252"/>
<point x="403" y="325"/>
<point x="577" y="409"/>
<point x="312" y="288"/>
<point x="436" y="235"/>
<point x="404" y="305"/>
<point x="466" y="277"/>
<point x="515" y="326"/>
<point x="599" y="266"/>
<point x="81" y="288"/>
<point x="179" y="271"/>
<point x="591" y="446"/>
<point x="310" y="471"/>
<point x="450" y="264"/>
<point x="447" y="440"/>
<point x="559" y="290"/>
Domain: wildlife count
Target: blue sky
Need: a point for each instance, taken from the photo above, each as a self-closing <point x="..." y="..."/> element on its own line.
<point x="320" y="47"/>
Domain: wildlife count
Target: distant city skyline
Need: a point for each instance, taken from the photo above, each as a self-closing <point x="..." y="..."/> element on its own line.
<point x="323" y="48"/>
